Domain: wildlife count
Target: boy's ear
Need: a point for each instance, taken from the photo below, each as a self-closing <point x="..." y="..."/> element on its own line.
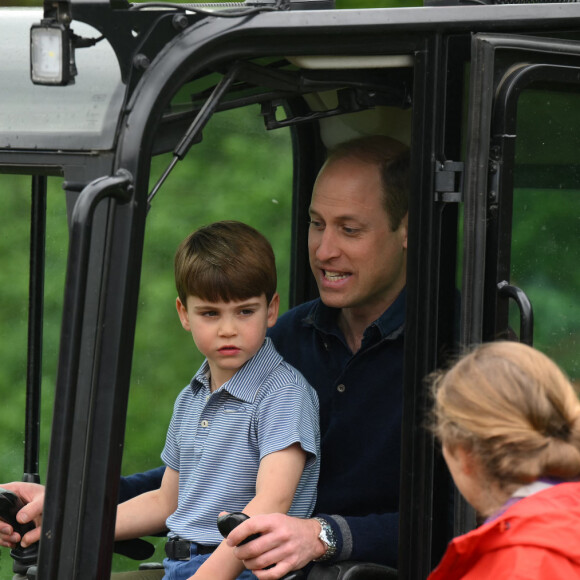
<point x="182" y="312"/>
<point x="273" y="308"/>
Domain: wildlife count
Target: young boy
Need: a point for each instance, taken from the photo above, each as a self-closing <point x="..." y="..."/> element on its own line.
<point x="244" y="434"/>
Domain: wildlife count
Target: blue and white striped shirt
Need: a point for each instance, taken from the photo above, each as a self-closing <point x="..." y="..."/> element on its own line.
<point x="216" y="441"/>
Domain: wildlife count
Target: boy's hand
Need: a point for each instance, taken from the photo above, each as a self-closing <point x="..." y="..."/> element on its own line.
<point x="285" y="543"/>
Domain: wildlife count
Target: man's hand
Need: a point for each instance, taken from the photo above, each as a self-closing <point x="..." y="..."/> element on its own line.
<point x="32" y="495"/>
<point x="285" y="543"/>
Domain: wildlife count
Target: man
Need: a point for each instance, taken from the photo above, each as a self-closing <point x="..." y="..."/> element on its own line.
<point x="349" y="346"/>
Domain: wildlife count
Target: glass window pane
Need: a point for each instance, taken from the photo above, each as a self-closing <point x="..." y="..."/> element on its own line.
<point x="546" y="220"/>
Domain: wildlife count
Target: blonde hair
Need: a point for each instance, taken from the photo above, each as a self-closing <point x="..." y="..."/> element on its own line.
<point x="515" y="409"/>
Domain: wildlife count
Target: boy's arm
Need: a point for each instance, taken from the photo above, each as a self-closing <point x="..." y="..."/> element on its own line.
<point x="278" y="477"/>
<point x="145" y="514"/>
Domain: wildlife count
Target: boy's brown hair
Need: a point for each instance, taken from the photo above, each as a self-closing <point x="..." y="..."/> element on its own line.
<point x="225" y="261"/>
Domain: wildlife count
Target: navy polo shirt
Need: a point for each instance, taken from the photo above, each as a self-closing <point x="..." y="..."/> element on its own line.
<point x="361" y="402"/>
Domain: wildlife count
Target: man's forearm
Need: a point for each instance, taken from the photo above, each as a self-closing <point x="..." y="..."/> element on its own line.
<point x="138" y="483"/>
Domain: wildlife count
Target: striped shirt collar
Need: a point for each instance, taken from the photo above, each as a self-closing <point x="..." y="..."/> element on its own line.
<point x="244" y="384"/>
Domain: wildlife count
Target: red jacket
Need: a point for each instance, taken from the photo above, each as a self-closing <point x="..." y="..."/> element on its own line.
<point x="536" y="538"/>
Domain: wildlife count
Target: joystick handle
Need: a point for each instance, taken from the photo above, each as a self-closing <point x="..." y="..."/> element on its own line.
<point x="24" y="558"/>
<point x="228" y="522"/>
<point x="10" y="505"/>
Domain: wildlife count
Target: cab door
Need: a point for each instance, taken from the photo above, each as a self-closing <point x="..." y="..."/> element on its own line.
<point x="522" y="198"/>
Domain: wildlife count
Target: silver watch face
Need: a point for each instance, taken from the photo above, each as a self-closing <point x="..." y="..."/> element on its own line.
<point x="324" y="536"/>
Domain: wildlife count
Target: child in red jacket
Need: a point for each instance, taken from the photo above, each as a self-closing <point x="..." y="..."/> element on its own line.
<point x="509" y="424"/>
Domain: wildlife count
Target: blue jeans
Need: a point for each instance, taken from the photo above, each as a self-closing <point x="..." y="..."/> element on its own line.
<point x="183" y="569"/>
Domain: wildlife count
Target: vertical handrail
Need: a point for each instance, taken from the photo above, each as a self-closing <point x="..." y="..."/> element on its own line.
<point x="117" y="187"/>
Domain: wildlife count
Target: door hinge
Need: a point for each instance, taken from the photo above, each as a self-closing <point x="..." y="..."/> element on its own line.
<point x="449" y="181"/>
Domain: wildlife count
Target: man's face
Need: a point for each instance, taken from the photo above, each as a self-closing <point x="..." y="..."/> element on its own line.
<point x="357" y="259"/>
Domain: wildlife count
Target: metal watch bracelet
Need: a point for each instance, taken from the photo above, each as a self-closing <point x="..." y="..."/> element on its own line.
<point x="326" y="536"/>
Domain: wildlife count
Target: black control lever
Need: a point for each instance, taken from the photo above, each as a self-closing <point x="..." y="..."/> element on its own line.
<point x="10" y="505"/>
<point x="228" y="522"/>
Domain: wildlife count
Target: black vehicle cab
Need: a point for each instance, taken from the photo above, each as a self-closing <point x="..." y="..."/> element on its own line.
<point x="485" y="94"/>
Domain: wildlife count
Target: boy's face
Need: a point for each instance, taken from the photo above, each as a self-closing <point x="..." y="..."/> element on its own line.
<point x="228" y="334"/>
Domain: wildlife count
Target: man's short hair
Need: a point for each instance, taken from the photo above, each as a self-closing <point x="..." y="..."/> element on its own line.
<point x="225" y="261"/>
<point x="392" y="158"/>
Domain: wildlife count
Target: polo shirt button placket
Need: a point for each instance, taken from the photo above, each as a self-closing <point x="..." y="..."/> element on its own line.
<point x="204" y="423"/>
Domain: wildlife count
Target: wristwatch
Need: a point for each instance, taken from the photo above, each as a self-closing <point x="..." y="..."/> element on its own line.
<point x="326" y="535"/>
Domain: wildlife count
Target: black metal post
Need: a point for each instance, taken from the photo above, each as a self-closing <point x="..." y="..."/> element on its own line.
<point x="35" y="328"/>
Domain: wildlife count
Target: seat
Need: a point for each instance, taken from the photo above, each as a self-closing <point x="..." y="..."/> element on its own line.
<point x="352" y="571"/>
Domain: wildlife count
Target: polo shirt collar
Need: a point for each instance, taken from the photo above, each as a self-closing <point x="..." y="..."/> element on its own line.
<point x="389" y="325"/>
<point x="244" y="384"/>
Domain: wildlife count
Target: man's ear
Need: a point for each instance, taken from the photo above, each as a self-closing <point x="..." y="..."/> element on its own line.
<point x="273" y="309"/>
<point x="404" y="225"/>
<point x="182" y="313"/>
